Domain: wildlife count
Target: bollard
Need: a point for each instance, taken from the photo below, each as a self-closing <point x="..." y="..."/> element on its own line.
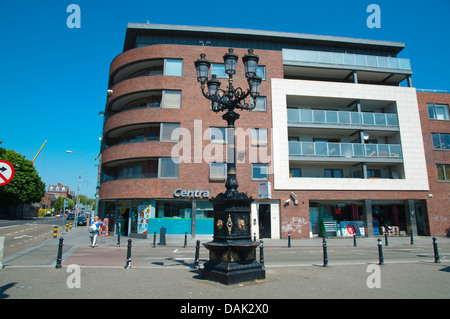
<point x="289" y="240"/>
<point x="412" y="237"/>
<point x="354" y="239"/>
<point x="70" y="226"/>
<point x="325" y="253"/>
<point x="128" y="264"/>
<point x="261" y="253"/>
<point x="185" y="239"/>
<point x="436" y="251"/>
<point x="55" y="232"/>
<point x="67" y="226"/>
<point x="197" y="252"/>
<point x="59" y="256"/>
<point x="2" y="245"/>
<point x="380" y="252"/>
<point x="118" y="239"/>
<point x="386" y="242"/>
<point x="154" y="239"/>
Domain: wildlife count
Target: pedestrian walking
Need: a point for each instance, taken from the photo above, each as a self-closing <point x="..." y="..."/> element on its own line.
<point x="95" y="230"/>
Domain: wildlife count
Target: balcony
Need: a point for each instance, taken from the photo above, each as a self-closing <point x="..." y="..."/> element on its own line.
<point x="306" y="116"/>
<point x="353" y="152"/>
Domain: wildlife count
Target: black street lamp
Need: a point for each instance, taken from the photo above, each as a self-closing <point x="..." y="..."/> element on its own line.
<point x="232" y="253"/>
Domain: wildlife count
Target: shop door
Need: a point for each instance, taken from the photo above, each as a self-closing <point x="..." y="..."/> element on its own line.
<point x="264" y="221"/>
<point x="123" y="220"/>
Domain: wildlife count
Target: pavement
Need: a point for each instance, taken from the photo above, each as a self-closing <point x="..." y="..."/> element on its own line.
<point x="167" y="272"/>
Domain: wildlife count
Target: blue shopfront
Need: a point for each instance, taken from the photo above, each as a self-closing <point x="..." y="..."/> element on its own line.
<point x="139" y="217"/>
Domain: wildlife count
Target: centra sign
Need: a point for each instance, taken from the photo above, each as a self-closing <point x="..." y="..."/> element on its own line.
<point x="179" y="192"/>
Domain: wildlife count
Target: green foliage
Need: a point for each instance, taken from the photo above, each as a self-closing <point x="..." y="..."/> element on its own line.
<point x="26" y="186"/>
<point x="59" y="203"/>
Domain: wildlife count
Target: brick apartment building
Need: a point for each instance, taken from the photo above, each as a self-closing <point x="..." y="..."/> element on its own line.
<point x="335" y="135"/>
<point x="435" y="119"/>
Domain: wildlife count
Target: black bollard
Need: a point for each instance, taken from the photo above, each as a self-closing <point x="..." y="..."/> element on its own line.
<point x="354" y="240"/>
<point x="59" y="257"/>
<point x="197" y="252"/>
<point x="289" y="240"/>
<point x="128" y="264"/>
<point x="325" y="253"/>
<point x="261" y="253"/>
<point x="118" y="236"/>
<point x="154" y="239"/>
<point x="185" y="239"/>
<point x="436" y="251"/>
<point x="412" y="237"/>
<point x="380" y="252"/>
<point x="386" y="242"/>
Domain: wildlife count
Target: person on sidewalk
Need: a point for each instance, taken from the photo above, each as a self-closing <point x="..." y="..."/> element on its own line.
<point x="95" y="230"/>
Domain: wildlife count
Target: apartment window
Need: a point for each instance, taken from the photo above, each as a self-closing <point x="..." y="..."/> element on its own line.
<point x="260" y="104"/>
<point x="134" y="171"/>
<point x="168" y="168"/>
<point x="218" y="171"/>
<point x="260" y="172"/>
<point x="259" y="136"/>
<point x="438" y="112"/>
<point x="218" y="135"/>
<point x="441" y="141"/>
<point x="219" y="70"/>
<point x="173" y="67"/>
<point x="171" y="99"/>
<point x="333" y="173"/>
<point x="295" y="172"/>
<point x="443" y="171"/>
<point x="170" y="132"/>
<point x="374" y="173"/>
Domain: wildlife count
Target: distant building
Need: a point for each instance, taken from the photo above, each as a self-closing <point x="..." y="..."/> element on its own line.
<point x="52" y="194"/>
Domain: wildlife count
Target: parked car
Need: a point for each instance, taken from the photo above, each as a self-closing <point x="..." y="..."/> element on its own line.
<point x="81" y="221"/>
<point x="71" y="216"/>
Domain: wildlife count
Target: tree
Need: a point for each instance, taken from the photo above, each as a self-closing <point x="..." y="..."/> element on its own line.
<point x="26" y="187"/>
<point x="59" y="203"/>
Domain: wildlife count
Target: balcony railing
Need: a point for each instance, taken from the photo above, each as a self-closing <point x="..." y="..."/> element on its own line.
<point x="342" y="117"/>
<point x="346" y="59"/>
<point x="348" y="150"/>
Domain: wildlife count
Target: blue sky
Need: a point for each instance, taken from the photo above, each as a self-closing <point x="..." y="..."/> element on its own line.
<point x="54" y="79"/>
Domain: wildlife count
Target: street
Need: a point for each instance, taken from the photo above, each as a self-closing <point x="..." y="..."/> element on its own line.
<point x="168" y="271"/>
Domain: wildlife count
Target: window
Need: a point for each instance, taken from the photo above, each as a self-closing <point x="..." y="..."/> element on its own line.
<point x="259" y="136"/>
<point x="171" y="99"/>
<point x="173" y="67"/>
<point x="127" y="172"/>
<point x="219" y="70"/>
<point x="170" y="132"/>
<point x="260" y="172"/>
<point x="295" y="172"/>
<point x="373" y="173"/>
<point x="333" y="173"/>
<point x="443" y="171"/>
<point x="438" y="112"/>
<point x="168" y="168"/>
<point x="218" y="135"/>
<point x="261" y="72"/>
<point x="218" y="171"/>
<point x="441" y="141"/>
<point x="260" y="104"/>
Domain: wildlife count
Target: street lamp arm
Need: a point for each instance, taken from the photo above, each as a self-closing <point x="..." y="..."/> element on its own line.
<point x="229" y="100"/>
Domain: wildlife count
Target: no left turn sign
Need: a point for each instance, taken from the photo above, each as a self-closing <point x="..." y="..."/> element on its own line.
<point x="6" y="172"/>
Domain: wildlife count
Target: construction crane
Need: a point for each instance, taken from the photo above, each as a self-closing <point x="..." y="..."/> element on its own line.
<point x="39" y="151"/>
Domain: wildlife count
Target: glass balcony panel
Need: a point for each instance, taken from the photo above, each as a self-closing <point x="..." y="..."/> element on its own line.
<point x="394" y="63"/>
<point x="334" y="149"/>
<point x="355" y="118"/>
<point x="344" y="117"/>
<point x="371" y="60"/>
<point x="346" y="149"/>
<point x="383" y="150"/>
<point x="319" y="116"/>
<point x="306" y="116"/>
<point x="391" y="120"/>
<point x="294" y="148"/>
<point x="360" y="60"/>
<point x="371" y="150"/>
<point x="358" y="150"/>
<point x="395" y="150"/>
<point x="337" y="58"/>
<point x="349" y="59"/>
<point x="380" y="119"/>
<point x="331" y="117"/>
<point x="405" y="64"/>
<point x="325" y="57"/>
<point x="321" y="149"/>
<point x="307" y="148"/>
<point x="293" y="115"/>
<point x="383" y="62"/>
<point x="368" y="119"/>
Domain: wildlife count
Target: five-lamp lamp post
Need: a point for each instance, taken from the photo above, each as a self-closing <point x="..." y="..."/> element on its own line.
<point x="232" y="253"/>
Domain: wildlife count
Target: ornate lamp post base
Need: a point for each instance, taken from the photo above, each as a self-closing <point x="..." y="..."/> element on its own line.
<point x="232" y="253"/>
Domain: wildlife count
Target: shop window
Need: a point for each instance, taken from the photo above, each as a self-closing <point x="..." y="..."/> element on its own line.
<point x="168" y="168"/>
<point x="260" y="172"/>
